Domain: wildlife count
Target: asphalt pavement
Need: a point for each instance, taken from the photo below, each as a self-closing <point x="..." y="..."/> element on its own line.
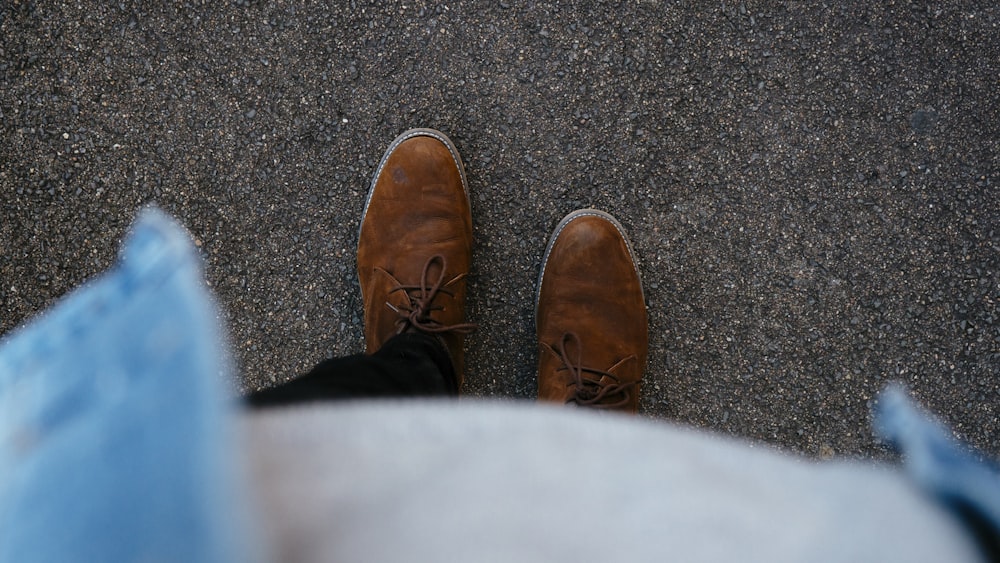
<point x="812" y="188"/>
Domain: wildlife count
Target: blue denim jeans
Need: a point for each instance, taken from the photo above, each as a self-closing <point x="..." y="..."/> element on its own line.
<point x="115" y="424"/>
<point x="116" y="429"/>
<point x="948" y="471"/>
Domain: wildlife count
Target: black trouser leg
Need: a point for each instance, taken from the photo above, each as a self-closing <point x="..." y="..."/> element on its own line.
<point x="407" y="365"/>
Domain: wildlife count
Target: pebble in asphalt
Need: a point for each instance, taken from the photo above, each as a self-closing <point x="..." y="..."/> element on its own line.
<point x="811" y="188"/>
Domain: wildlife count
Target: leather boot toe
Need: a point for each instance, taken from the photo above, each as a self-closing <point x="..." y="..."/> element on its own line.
<point x="590" y="316"/>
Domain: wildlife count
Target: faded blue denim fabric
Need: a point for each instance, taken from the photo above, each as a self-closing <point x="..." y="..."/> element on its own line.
<point x="941" y="466"/>
<point x="115" y="439"/>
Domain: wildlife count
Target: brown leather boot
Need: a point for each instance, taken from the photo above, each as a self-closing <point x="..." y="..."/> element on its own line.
<point x="415" y="244"/>
<point x="590" y="315"/>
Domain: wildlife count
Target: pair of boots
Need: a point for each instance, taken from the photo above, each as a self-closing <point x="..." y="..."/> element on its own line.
<point x="414" y="254"/>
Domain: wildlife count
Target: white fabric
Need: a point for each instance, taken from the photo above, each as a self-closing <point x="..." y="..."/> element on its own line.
<point x="514" y="482"/>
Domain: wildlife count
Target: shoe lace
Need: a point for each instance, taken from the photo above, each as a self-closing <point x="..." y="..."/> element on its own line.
<point x="588" y="392"/>
<point x="416" y="313"/>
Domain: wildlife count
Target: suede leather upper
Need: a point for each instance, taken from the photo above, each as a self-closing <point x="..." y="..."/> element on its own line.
<point x="418" y="208"/>
<point x="590" y="288"/>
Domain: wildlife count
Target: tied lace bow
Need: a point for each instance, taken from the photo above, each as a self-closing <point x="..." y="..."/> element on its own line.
<point x="417" y="313"/>
<point x="588" y="392"/>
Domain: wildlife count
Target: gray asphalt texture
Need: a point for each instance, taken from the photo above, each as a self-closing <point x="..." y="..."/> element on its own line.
<point x="811" y="187"/>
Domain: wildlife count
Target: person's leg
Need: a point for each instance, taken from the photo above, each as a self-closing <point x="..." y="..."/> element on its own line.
<point x="590" y="315"/>
<point x="414" y="252"/>
<point x="408" y="365"/>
